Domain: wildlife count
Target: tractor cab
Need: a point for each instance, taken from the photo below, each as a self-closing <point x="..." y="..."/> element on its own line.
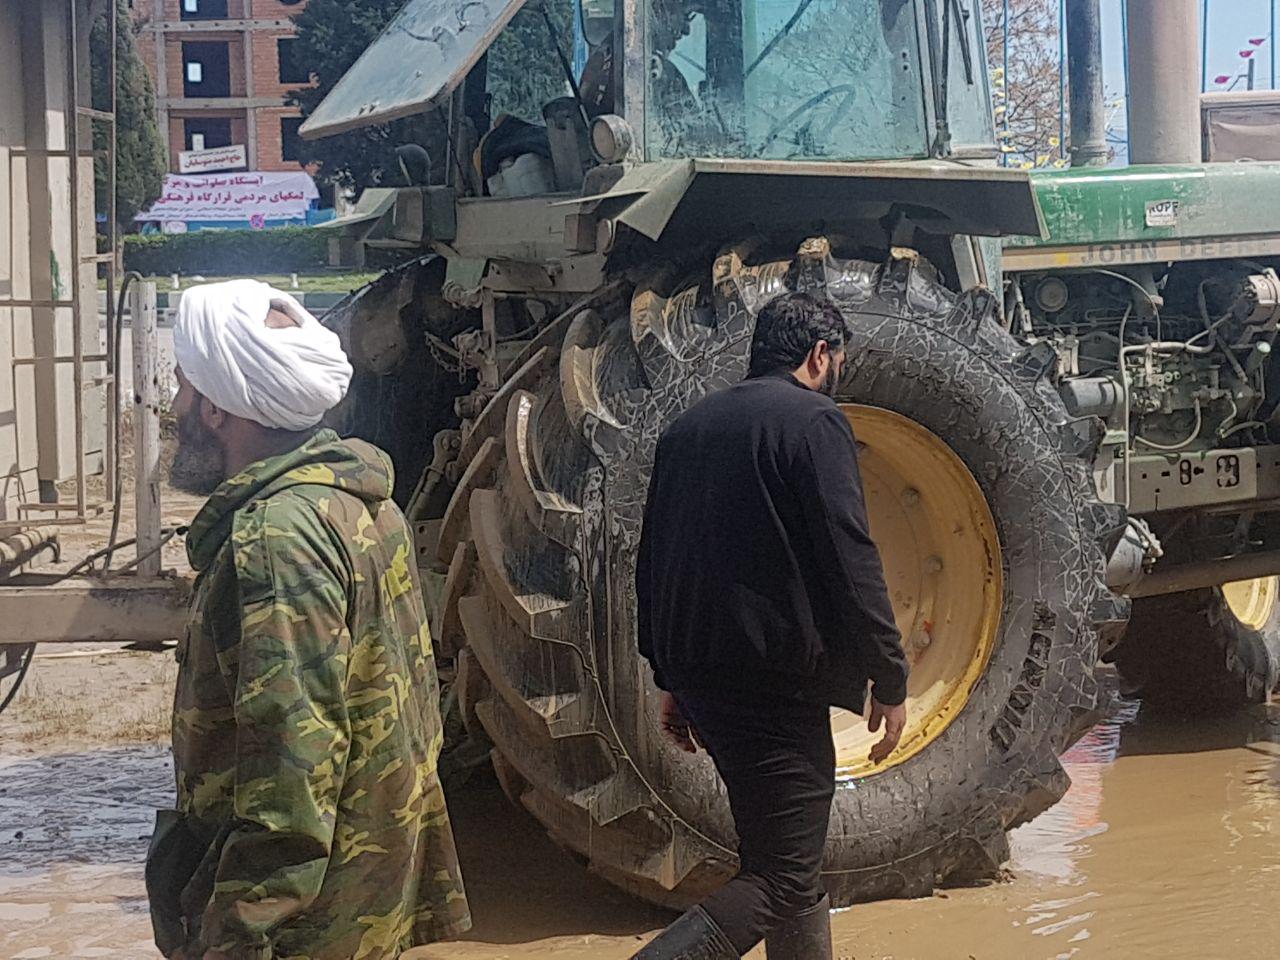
<point x="654" y="113"/>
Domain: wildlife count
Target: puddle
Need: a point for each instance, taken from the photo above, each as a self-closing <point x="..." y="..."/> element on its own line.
<point x="1167" y="846"/>
<point x="73" y="834"/>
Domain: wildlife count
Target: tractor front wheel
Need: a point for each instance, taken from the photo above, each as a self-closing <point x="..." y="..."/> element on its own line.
<point x="1204" y="650"/>
<point x="980" y="498"/>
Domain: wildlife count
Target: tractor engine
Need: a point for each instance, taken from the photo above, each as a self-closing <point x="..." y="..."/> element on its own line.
<point x="1179" y="362"/>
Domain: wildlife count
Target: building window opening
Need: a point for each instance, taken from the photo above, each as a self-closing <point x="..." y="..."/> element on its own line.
<point x="290" y="142"/>
<point x="206" y="69"/>
<point x="204" y="10"/>
<point x="292" y="69"/>
<point x="207" y="133"/>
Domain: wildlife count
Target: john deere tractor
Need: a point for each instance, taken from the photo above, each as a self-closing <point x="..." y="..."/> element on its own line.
<point x="588" y="274"/>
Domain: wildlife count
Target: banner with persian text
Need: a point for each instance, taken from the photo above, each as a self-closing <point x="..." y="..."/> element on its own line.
<point x="234" y="197"/>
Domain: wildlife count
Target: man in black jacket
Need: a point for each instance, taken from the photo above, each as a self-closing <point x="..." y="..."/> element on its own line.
<point x="762" y="603"/>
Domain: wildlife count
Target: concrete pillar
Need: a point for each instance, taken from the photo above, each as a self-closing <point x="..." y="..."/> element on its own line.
<point x="1084" y="55"/>
<point x="250" y="113"/>
<point x="158" y="37"/>
<point x="1164" y="81"/>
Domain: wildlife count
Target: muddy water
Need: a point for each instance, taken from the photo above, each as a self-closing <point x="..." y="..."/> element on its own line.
<point x="1167" y="846"/>
<point x="73" y="833"/>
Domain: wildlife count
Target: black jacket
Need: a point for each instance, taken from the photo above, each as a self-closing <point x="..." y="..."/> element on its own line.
<point x="757" y="574"/>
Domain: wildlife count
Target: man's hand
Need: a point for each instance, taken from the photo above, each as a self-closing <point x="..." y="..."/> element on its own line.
<point x="674" y="726"/>
<point x="895" y="718"/>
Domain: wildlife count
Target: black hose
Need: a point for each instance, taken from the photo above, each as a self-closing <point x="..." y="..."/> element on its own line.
<point x="165" y="536"/>
<point x="22" y="675"/>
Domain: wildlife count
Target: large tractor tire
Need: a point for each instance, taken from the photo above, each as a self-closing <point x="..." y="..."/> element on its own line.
<point x="980" y="498"/>
<point x="1204" y="650"/>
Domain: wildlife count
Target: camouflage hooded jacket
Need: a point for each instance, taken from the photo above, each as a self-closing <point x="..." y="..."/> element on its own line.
<point x="310" y="822"/>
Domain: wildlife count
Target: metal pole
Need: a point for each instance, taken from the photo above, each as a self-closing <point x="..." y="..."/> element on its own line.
<point x="1204" y="46"/>
<point x="1165" y="119"/>
<point x="1271" y="41"/>
<point x="146" y="424"/>
<point x="1004" y="65"/>
<point x="1207" y="573"/>
<point x="1062" y="79"/>
<point x="1084" y="69"/>
<point x="77" y="268"/>
<point x="113" y="393"/>
<point x="1128" y="112"/>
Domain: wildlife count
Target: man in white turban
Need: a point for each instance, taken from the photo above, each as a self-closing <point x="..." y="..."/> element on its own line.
<point x="267" y="367"/>
<point x="310" y="821"/>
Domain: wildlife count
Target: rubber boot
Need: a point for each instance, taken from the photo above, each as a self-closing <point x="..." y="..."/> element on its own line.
<point x="694" y="936"/>
<point x="806" y="936"/>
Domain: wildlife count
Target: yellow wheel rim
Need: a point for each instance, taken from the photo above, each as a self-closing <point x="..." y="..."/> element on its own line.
<point x="1252" y="602"/>
<point x="942" y="563"/>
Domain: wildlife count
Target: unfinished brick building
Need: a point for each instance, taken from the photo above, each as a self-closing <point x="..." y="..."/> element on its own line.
<point x="222" y="71"/>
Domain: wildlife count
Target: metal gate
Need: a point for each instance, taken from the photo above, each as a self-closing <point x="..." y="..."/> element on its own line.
<point x="64" y="607"/>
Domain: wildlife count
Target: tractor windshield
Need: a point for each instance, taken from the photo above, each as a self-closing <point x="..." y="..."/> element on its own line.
<point x="785" y="79"/>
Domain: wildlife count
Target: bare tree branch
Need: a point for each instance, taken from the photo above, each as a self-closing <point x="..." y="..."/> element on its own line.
<point x="1031" y="90"/>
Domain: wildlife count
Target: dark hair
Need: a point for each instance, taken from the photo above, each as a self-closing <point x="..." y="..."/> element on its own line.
<point x="788" y="328"/>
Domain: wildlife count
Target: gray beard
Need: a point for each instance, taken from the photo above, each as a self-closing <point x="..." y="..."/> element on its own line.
<point x="199" y="466"/>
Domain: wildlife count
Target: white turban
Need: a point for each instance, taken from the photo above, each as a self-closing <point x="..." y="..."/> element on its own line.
<point x="282" y="377"/>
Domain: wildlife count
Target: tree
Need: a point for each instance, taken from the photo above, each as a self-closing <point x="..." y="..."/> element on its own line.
<point x="1030" y="88"/>
<point x="140" y="151"/>
<point x="331" y="36"/>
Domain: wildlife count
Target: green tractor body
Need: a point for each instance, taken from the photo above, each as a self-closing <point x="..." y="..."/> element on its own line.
<point x="1118" y="216"/>
<point x="1179" y="260"/>
<point x="586" y="274"/>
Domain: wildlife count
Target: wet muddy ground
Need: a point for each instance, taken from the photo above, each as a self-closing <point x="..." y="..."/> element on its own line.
<point x="1167" y="846"/>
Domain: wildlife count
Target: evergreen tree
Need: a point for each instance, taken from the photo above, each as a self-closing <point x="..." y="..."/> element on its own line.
<point x="140" y="151"/>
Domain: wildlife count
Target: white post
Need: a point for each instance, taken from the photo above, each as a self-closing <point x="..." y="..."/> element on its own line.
<point x="146" y="424"/>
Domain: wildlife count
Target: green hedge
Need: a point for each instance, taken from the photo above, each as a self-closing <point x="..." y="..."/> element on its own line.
<point x="222" y="253"/>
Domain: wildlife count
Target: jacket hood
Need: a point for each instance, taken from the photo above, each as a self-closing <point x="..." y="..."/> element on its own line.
<point x="352" y="466"/>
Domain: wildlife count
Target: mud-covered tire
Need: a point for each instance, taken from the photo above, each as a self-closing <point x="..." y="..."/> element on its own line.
<point x="1189" y="652"/>
<point x="541" y="537"/>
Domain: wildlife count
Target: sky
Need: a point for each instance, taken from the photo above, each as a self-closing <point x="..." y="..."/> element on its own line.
<point x="1232" y="23"/>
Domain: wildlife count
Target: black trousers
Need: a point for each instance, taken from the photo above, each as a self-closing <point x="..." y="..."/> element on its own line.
<point x="777" y="761"/>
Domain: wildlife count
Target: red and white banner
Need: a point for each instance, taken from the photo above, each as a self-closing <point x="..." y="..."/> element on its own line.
<point x="234" y="196"/>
